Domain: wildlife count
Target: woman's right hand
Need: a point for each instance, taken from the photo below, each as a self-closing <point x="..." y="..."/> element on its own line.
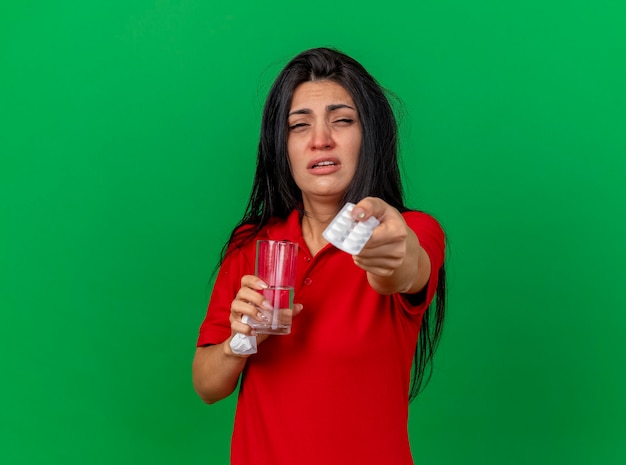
<point x="247" y="302"/>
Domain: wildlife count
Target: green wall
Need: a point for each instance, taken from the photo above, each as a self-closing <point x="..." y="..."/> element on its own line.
<point x="127" y="145"/>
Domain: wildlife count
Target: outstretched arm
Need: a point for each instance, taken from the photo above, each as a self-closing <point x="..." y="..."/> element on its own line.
<point x="393" y="258"/>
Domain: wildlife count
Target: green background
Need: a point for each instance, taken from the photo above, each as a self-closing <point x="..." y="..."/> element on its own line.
<point x="128" y="133"/>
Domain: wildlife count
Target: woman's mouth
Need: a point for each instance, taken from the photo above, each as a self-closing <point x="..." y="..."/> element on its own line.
<point x="324" y="166"/>
<point x="323" y="163"/>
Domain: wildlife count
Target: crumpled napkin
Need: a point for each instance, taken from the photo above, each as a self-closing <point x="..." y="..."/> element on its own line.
<point x="241" y="344"/>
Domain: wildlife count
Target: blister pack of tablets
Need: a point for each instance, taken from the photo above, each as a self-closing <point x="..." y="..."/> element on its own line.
<point x="347" y="234"/>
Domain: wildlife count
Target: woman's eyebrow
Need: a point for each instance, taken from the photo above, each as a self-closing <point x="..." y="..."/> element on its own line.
<point x="302" y="111"/>
<point x="331" y="107"/>
<point x="337" y="106"/>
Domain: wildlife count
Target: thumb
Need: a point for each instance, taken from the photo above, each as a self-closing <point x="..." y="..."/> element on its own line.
<point x="368" y="207"/>
<point x="297" y="308"/>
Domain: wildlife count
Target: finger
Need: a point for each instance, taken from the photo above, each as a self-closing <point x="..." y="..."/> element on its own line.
<point x="247" y="330"/>
<point x="367" y="207"/>
<point x="379" y="268"/>
<point x="382" y="249"/>
<point x="249" y="303"/>
<point x="378" y="261"/>
<point x="239" y="309"/>
<point x="388" y="238"/>
<point x="285" y="316"/>
<point x="253" y="282"/>
<point x="252" y="296"/>
<point x="250" y="293"/>
<point x="238" y="326"/>
<point x="381" y="244"/>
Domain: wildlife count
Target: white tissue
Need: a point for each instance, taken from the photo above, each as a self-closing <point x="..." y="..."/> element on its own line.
<point x="241" y="344"/>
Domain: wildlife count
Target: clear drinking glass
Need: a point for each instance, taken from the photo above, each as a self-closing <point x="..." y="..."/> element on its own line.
<point x="276" y="266"/>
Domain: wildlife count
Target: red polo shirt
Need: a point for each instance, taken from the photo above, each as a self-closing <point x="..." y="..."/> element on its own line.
<point x="335" y="390"/>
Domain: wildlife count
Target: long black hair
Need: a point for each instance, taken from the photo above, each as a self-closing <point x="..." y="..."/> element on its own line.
<point x="275" y="193"/>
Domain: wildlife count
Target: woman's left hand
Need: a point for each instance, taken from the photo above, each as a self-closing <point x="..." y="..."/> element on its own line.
<point x="393" y="257"/>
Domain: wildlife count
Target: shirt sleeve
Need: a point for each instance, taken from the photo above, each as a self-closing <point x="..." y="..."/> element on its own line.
<point x="432" y="239"/>
<point x="215" y="328"/>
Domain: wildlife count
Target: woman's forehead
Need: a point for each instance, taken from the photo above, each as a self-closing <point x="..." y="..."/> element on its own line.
<point x="324" y="92"/>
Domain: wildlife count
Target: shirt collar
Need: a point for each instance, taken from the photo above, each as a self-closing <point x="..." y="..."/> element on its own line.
<point x="286" y="230"/>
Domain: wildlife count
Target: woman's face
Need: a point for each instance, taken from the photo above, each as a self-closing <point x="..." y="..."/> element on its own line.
<point x="324" y="140"/>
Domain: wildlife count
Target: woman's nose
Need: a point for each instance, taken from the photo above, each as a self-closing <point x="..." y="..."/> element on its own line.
<point x="322" y="138"/>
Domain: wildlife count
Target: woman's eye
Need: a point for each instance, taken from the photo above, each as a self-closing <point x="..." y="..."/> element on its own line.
<point x="344" y="121"/>
<point x="296" y="126"/>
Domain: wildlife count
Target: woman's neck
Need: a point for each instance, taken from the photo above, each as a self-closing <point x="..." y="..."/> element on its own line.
<point x="314" y="221"/>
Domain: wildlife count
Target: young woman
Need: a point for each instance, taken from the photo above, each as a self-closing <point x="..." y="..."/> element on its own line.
<point x="336" y="390"/>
